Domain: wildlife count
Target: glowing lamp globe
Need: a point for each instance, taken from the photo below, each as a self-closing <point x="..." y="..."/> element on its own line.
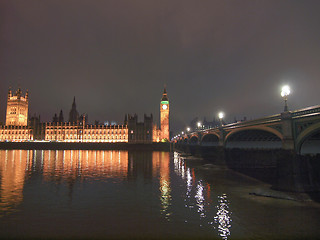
<point x="285" y="91"/>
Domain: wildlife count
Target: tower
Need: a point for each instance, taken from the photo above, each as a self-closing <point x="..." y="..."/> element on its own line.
<point x="17" y="109"/>
<point x="164" y="117"/>
<point x="61" y="119"/>
<point x="73" y="114"/>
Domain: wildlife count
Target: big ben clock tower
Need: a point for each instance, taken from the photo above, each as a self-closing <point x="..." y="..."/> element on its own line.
<point x="164" y="117"/>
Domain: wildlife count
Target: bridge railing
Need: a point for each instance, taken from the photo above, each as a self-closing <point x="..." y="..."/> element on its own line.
<point x="306" y="111"/>
<point x="272" y="118"/>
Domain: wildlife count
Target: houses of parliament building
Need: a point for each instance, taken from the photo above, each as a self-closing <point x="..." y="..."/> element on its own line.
<point x="19" y="127"/>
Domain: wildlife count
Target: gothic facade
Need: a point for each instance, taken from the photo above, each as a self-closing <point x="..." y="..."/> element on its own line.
<point x="17" y="109"/>
<point x="16" y="133"/>
<point x="18" y="128"/>
<point x="139" y="132"/>
<point x="67" y="132"/>
<point x="147" y="131"/>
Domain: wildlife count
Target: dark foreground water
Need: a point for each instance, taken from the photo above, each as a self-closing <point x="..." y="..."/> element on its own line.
<point x="121" y="194"/>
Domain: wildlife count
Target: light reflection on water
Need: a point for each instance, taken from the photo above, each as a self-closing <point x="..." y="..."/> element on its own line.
<point x="222" y="219"/>
<point x="96" y="165"/>
<point x="150" y="194"/>
<point x="13" y="167"/>
<point x="165" y="188"/>
<point x="200" y="199"/>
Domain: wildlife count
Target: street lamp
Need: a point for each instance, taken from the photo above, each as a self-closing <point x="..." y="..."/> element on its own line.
<point x="221" y="116"/>
<point x="285" y="92"/>
<point x="188" y="129"/>
<point x="199" y="125"/>
<point x="182" y="133"/>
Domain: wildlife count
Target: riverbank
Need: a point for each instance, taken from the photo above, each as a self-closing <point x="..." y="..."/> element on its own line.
<point x="267" y="176"/>
<point x="85" y="146"/>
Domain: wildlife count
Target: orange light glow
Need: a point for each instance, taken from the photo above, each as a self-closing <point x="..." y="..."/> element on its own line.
<point x="67" y="132"/>
<point x="17" y="109"/>
<point x="13" y="166"/>
<point x="72" y="164"/>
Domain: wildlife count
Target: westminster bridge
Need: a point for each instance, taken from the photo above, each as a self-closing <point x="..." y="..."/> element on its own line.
<point x="297" y="130"/>
<point x="284" y="147"/>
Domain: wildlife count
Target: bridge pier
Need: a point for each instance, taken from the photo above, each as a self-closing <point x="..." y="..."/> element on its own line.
<point x="297" y="173"/>
<point x="221" y="137"/>
<point x="287" y="131"/>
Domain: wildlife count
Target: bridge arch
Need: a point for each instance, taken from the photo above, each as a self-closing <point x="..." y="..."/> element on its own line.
<point x="311" y="131"/>
<point x="210" y="139"/>
<point x="254" y="137"/>
<point x="194" y="140"/>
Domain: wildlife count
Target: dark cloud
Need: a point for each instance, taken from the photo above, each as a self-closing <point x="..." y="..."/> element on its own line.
<point x="115" y="56"/>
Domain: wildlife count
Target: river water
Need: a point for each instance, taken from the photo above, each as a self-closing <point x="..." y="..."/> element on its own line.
<point x="121" y="194"/>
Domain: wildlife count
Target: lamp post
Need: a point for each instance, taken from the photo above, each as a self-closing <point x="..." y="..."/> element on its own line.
<point x="285" y="92"/>
<point x="221" y="130"/>
<point x="221" y="116"/>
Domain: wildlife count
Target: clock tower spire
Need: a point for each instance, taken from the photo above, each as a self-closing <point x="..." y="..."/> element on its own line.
<point x="164" y="116"/>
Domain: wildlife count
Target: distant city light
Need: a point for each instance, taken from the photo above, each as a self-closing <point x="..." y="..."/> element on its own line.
<point x="199" y="124"/>
<point x="182" y="133"/>
<point x="221" y="115"/>
<point x="188" y="129"/>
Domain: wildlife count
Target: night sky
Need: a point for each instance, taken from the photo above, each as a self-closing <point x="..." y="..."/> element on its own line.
<point x="116" y="56"/>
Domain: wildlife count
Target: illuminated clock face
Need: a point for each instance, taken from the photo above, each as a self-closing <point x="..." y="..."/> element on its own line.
<point x="164" y="107"/>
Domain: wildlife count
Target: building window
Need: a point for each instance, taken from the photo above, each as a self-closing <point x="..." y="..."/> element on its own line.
<point x="13" y="111"/>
